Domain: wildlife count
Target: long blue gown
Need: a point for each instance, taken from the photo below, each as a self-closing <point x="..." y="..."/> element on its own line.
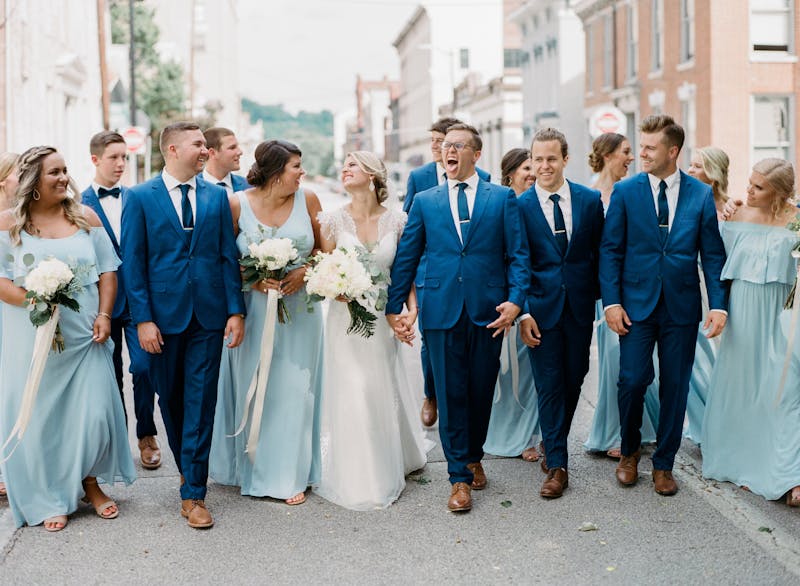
<point x="287" y="458"/>
<point x="514" y="422"/>
<point x="77" y="428"/>
<point x="748" y="438"/>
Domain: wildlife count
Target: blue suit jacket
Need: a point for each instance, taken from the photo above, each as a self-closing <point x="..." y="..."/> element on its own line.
<point x="239" y="183"/>
<point x="89" y="198"/>
<point x="635" y="269"/>
<point x="557" y="280"/>
<point x="169" y="278"/>
<point x="491" y="267"/>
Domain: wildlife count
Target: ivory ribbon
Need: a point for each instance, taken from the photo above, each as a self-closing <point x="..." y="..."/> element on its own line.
<point x="257" y="391"/>
<point x="42" y="344"/>
<point x="510" y="359"/>
<point x="787" y="361"/>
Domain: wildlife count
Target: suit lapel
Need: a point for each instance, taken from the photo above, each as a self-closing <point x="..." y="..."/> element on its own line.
<point x="647" y="209"/>
<point x="90" y="199"/>
<point x="577" y="209"/>
<point x="202" y="201"/>
<point x="161" y="195"/>
<point x="433" y="179"/>
<point x="482" y="195"/>
<point x="538" y="217"/>
<point x="444" y="212"/>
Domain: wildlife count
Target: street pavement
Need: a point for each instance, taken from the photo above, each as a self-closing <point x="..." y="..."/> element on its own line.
<point x="708" y="533"/>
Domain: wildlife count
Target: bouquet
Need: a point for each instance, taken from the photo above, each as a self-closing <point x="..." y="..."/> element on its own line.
<point x="50" y="284"/>
<point x="794" y="226"/>
<point x="269" y="259"/>
<point x="353" y="274"/>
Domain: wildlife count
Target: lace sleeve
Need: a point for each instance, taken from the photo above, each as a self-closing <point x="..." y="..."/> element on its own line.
<point x="330" y="224"/>
<point x="395" y="221"/>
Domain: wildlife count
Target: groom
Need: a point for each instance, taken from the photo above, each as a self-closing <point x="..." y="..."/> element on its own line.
<point x="184" y="292"/>
<point x="477" y="267"/>
<point x="657" y="223"/>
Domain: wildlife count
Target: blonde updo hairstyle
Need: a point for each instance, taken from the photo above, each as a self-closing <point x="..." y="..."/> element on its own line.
<point x="8" y="162"/>
<point x="30" y="173"/>
<point x="715" y="166"/>
<point x="374" y="167"/>
<point x="602" y="146"/>
<point x="780" y="176"/>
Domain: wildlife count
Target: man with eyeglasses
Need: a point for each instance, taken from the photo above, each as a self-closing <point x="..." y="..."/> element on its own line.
<point x="421" y="179"/>
<point x="477" y="267"/>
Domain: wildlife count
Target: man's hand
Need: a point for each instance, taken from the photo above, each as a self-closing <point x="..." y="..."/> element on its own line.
<point x="149" y="337"/>
<point x="508" y="312"/>
<point x="234" y="330"/>
<point x="402" y="326"/>
<point x="731" y="207"/>
<point x="715" y="323"/>
<point x="617" y="319"/>
<point x="529" y="332"/>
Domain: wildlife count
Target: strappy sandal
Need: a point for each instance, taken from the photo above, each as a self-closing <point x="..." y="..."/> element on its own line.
<point x="103" y="507"/>
<point x="58" y="523"/>
<point x="530" y="454"/>
<point x="791" y="500"/>
<point x="301" y="496"/>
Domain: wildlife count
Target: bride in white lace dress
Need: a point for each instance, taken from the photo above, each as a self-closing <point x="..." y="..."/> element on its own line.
<point x="369" y="433"/>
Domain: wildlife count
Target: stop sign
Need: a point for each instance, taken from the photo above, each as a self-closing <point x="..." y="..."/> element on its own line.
<point x="607" y="119"/>
<point x="135" y="139"/>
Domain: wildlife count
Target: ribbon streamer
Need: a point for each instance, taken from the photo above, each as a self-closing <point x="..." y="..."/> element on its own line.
<point x="257" y="391"/>
<point x="787" y="361"/>
<point x="42" y="344"/>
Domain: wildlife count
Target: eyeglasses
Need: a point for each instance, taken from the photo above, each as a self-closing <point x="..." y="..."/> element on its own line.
<point x="459" y="146"/>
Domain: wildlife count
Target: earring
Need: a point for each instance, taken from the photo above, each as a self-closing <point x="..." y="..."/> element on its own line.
<point x="36" y="195"/>
<point x="279" y="181"/>
<point x="371" y="185"/>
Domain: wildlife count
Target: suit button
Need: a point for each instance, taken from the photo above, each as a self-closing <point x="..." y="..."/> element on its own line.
<point x="563" y="287"/>
<point x="463" y="254"/>
<point x="460" y="279"/>
<point x="191" y="257"/>
<point x="659" y="277"/>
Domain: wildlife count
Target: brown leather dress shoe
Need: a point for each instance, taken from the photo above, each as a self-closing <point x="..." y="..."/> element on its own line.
<point x="543" y="459"/>
<point x="429" y="413"/>
<point x="555" y="483"/>
<point x="664" y="482"/>
<point x="478" y="476"/>
<point x="149" y="452"/>
<point x="195" y="511"/>
<point x="460" y="497"/>
<point x="628" y="469"/>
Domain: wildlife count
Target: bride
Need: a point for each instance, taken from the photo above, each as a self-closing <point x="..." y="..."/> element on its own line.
<point x="370" y="436"/>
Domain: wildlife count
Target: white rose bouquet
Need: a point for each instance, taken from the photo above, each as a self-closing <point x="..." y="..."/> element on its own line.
<point x="794" y="226"/>
<point x="269" y="259"/>
<point x="354" y="275"/>
<point x="51" y="283"/>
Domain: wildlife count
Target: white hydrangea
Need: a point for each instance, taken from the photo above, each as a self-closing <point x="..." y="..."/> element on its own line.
<point x="48" y="276"/>
<point x="338" y="273"/>
<point x="273" y="253"/>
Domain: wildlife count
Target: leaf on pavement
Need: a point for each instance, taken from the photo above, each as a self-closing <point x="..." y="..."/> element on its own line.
<point x="505" y="504"/>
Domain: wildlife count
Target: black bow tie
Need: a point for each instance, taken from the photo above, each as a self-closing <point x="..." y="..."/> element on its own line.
<point x="113" y="192"/>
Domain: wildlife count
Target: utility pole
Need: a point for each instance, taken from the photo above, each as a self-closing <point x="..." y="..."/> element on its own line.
<point x="101" y="41"/>
<point x="132" y="97"/>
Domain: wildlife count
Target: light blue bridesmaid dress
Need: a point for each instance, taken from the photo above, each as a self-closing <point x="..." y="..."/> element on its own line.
<point x="748" y="437"/>
<point x="78" y="427"/>
<point x="514" y="422"/>
<point x="287" y="459"/>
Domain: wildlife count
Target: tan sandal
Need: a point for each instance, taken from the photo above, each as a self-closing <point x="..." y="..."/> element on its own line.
<point x="57" y="523"/>
<point x="301" y="496"/>
<point x="3" y="491"/>
<point x="531" y="454"/>
<point x="102" y="507"/>
<point x="791" y="500"/>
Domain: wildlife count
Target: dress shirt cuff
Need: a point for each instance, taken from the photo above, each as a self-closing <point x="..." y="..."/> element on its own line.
<point x="722" y="311"/>
<point x="607" y="307"/>
<point x="523" y="317"/>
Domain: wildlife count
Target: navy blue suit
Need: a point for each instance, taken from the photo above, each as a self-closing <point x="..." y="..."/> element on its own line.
<point x="463" y="286"/>
<point x="659" y="287"/>
<point x="561" y="298"/>
<point x="143" y="394"/>
<point x="422" y="179"/>
<point x="188" y="286"/>
<point x="239" y="183"/>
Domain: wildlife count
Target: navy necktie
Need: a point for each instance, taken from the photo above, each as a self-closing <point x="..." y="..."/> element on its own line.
<point x="560" y="231"/>
<point x="463" y="212"/>
<point x="663" y="211"/>
<point x="113" y="192"/>
<point x="187" y="217"/>
<point x="222" y="184"/>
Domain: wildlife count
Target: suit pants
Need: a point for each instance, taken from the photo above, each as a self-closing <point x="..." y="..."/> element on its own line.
<point x="465" y="361"/>
<point x="559" y="366"/>
<point x="185" y="377"/>
<point x="676" y="345"/>
<point x="143" y="394"/>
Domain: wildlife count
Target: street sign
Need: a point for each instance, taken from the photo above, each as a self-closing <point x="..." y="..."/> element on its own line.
<point x="606" y="119"/>
<point x="135" y="138"/>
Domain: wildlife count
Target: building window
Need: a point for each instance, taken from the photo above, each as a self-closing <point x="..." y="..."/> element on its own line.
<point x="608" y="51"/>
<point x="657" y="26"/>
<point x="771" y="127"/>
<point x="687" y="30"/>
<point x="771" y="25"/>
<point x="686" y="95"/>
<point x="464" y="58"/>
<point x="631" y="40"/>
<point x="589" y="58"/>
<point x="512" y="57"/>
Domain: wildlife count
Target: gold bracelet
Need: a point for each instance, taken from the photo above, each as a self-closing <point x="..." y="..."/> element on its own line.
<point x="103" y="314"/>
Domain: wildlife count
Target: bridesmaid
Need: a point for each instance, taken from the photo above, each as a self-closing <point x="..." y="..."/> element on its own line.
<point x="610" y="158"/>
<point x="287" y="456"/>
<point x="709" y="165"/>
<point x="8" y="187"/>
<point x="76" y="434"/>
<point x="514" y="423"/>
<point x="750" y="437"/>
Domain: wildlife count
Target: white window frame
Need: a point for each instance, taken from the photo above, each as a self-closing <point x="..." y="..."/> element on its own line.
<point x="756" y="9"/>
<point x="788" y="146"/>
<point x="656" y="36"/>
<point x="687" y="11"/>
<point x="632" y="41"/>
<point x="608" y="50"/>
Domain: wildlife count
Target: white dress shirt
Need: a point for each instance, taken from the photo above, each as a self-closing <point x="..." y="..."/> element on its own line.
<point x="175" y="194"/>
<point x="441" y="174"/>
<point x="548" y="206"/>
<point x="470" y="190"/>
<point x="227" y="180"/>
<point x="673" y="190"/>
<point x="112" y="206"/>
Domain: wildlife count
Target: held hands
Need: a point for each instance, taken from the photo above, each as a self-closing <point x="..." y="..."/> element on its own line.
<point x="234" y="330"/>
<point x="402" y="326"/>
<point x="715" y="323"/>
<point x="617" y="319"/>
<point x="150" y="337"/>
<point x="529" y="332"/>
<point x="508" y="312"/>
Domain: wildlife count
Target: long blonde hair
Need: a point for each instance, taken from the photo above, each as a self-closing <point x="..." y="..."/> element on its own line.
<point x="30" y="173"/>
<point x="8" y="161"/>
<point x="372" y="165"/>
<point x="715" y="166"/>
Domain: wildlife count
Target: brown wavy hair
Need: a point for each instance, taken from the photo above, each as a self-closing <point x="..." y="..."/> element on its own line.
<point x="511" y="162"/>
<point x="602" y="146"/>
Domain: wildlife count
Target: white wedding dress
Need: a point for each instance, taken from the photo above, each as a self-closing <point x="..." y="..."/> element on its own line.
<point x="370" y="435"/>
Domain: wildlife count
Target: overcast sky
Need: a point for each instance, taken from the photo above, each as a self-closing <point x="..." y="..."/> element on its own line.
<point x="306" y="54"/>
